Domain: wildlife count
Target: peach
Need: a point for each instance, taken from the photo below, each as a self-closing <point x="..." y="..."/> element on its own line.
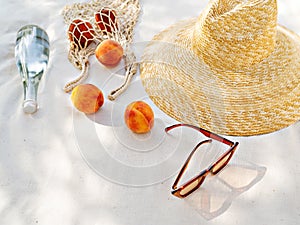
<point x="106" y="20"/>
<point x="87" y="98"/>
<point x="139" y="117"/>
<point x="81" y="32"/>
<point x="109" y="53"/>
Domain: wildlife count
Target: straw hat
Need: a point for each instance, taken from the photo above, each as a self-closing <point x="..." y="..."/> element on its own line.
<point x="232" y="70"/>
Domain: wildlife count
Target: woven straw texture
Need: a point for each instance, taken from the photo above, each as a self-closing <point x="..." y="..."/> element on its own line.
<point x="92" y="22"/>
<point x="232" y="70"/>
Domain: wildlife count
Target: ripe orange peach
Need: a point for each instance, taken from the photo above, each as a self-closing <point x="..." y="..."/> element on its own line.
<point x="139" y="117"/>
<point x="109" y="53"/>
<point x="87" y="98"/>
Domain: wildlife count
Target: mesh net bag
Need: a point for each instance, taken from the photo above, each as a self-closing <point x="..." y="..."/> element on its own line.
<point x="97" y="20"/>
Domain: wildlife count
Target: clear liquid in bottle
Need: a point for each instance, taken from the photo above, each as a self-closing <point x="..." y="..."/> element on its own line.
<point x="32" y="55"/>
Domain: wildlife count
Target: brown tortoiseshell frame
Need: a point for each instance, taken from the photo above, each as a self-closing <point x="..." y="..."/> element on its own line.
<point x="215" y="168"/>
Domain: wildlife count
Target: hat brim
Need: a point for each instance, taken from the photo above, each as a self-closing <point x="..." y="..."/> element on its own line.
<point x="259" y="99"/>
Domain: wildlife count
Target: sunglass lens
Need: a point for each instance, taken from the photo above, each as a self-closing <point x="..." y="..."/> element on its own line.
<point x="190" y="187"/>
<point x="221" y="163"/>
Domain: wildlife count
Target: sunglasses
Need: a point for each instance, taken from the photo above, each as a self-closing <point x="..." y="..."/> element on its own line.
<point x="195" y="182"/>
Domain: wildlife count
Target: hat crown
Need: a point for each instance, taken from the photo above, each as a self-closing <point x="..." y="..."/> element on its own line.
<point x="235" y="34"/>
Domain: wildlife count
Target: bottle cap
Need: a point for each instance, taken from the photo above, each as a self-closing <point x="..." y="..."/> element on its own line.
<point x="30" y="106"/>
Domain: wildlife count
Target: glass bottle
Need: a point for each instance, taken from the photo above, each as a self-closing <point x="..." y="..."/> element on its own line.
<point x="32" y="55"/>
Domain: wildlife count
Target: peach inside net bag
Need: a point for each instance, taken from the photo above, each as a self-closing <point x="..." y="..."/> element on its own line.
<point x="233" y="70"/>
<point x="92" y="22"/>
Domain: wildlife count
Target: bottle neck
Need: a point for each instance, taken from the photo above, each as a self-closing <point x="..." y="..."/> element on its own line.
<point x="30" y="96"/>
<point x="30" y="90"/>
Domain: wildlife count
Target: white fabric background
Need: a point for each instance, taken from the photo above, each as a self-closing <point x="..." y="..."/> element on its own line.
<point x="43" y="177"/>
